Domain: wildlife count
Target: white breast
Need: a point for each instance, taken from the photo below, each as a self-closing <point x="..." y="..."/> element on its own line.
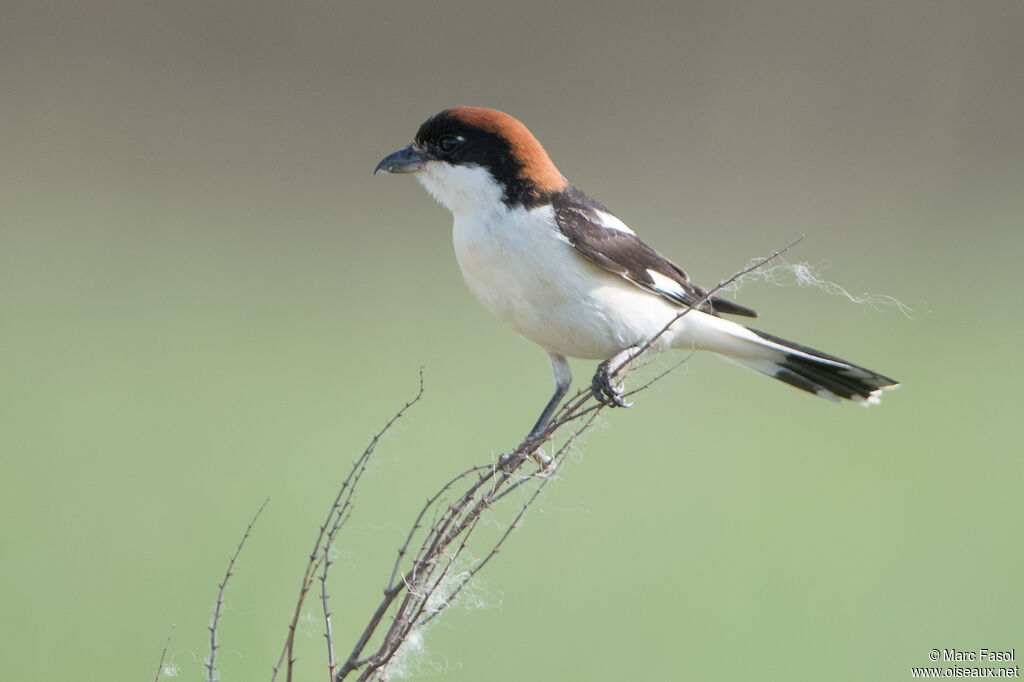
<point x="525" y="272"/>
<point x="521" y="267"/>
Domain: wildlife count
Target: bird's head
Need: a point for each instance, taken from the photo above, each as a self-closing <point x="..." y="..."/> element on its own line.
<point x="471" y="158"/>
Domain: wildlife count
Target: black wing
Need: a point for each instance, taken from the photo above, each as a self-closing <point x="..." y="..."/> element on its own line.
<point x="605" y="240"/>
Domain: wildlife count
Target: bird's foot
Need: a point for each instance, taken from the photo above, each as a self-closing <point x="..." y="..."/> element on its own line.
<point x="604" y="388"/>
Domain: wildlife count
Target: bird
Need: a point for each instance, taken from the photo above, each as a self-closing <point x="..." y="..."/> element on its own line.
<point x="567" y="274"/>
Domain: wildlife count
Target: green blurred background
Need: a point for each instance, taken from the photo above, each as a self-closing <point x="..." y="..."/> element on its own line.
<point x="206" y="299"/>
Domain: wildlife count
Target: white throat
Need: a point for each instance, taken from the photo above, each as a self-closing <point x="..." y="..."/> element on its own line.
<point x="461" y="189"/>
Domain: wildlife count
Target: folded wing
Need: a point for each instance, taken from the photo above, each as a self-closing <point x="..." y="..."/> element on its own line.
<point x="603" y="239"/>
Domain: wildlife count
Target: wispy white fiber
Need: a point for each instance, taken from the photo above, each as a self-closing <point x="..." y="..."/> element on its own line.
<point x="782" y="273"/>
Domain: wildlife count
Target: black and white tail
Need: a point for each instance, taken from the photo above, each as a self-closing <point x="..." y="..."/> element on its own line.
<point x="805" y="368"/>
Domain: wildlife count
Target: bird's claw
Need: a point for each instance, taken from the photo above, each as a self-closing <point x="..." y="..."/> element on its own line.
<point x="604" y="388"/>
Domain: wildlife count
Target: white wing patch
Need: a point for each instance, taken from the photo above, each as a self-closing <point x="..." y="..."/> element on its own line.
<point x="665" y="285"/>
<point x="611" y="222"/>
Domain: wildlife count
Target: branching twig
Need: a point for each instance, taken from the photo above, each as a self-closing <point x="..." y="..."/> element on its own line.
<point x="421" y="586"/>
<point x="471" y="573"/>
<point x="211" y="669"/>
<point x="419" y="518"/>
<point x="336" y="517"/>
<point x="424" y="582"/>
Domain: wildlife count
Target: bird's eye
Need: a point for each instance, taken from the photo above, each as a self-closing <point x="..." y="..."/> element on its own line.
<point x="448" y="143"/>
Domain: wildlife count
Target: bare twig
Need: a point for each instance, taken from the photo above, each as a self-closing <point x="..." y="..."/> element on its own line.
<point x="447" y="536"/>
<point x="421" y="584"/>
<point x="331" y="664"/>
<point x="471" y="573"/>
<point x="163" y="655"/>
<point x="210" y="664"/>
<point x="336" y="517"/>
<point x="419" y="518"/>
<point x="439" y="552"/>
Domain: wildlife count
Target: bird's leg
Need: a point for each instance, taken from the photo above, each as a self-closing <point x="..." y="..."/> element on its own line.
<point x="603" y="385"/>
<point x="563" y="379"/>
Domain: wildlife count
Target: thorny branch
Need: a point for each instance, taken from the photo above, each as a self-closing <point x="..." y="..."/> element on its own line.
<point x="328" y="635"/>
<point x="336" y="517"/>
<point x="210" y="664"/>
<point x="422" y="585"/>
<point x="422" y="590"/>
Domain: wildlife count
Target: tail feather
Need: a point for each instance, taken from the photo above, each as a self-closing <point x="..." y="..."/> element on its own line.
<point x="811" y="370"/>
